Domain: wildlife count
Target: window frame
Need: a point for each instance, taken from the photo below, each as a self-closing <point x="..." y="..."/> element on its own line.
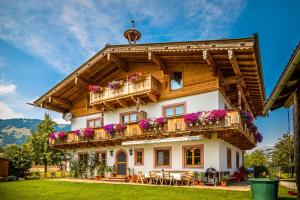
<point x="136" y="151"/>
<point x="101" y="152"/>
<point x="94" y="120"/>
<point x="171" y="74"/>
<point x="184" y="148"/>
<point x="156" y="166"/>
<point x="237" y="159"/>
<point x="180" y="104"/>
<point x="129" y="114"/>
<point x="229" y="158"/>
<point x="83" y="154"/>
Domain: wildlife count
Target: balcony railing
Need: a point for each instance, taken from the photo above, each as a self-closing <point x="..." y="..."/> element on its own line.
<point x="147" y="87"/>
<point x="232" y="129"/>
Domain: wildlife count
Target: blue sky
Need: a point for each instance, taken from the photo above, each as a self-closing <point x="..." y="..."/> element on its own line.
<point x="40" y="43"/>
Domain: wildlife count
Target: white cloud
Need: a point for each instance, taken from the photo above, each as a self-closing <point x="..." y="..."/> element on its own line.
<point x="6" y="89"/>
<point x="65" y="34"/>
<point x="7" y="113"/>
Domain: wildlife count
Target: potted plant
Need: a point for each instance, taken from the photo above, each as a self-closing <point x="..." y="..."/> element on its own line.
<point x="224" y="180"/>
<point x="201" y="178"/>
<point x="115" y="85"/>
<point x="191" y="119"/>
<point x="110" y="130"/>
<point x="137" y="77"/>
<point x="112" y="170"/>
<point x="144" y="124"/>
<point x="196" y="176"/>
<point x="120" y="129"/>
<point x="130" y="174"/>
<point x="100" y="171"/>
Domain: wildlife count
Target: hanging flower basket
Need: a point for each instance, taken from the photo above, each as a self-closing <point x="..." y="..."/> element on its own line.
<point x="137" y="77"/>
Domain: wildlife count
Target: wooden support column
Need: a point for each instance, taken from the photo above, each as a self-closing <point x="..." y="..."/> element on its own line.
<point x="161" y="64"/>
<point x="297" y="136"/>
<point x="239" y="98"/>
<point x="210" y="62"/>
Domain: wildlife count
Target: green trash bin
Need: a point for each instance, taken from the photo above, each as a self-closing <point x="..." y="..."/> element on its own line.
<point x="264" y="188"/>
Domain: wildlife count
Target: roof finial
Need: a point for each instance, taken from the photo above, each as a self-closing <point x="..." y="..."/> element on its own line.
<point x="131" y="34"/>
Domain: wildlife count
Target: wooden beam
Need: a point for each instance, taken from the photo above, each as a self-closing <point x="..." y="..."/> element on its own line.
<point x="122" y="103"/>
<point x="78" y="80"/>
<point x="152" y="97"/>
<point x="109" y="106"/>
<point x="121" y="64"/>
<point x="52" y="107"/>
<point x="232" y="80"/>
<point x="63" y="102"/>
<point x="138" y="100"/>
<point x="211" y="63"/>
<point x="234" y="63"/>
<point x="158" y="61"/>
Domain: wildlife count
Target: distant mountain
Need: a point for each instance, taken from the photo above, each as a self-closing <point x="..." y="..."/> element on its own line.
<point x="16" y="131"/>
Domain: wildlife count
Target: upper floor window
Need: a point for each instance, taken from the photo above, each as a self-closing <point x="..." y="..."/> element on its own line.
<point x="95" y="123"/>
<point x="176" y="81"/>
<point x="130" y="117"/>
<point x="174" y="110"/>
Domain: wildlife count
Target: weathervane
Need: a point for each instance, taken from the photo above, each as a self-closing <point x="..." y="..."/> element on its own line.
<point x="132" y="35"/>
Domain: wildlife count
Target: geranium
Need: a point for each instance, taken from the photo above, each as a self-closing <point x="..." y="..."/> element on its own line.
<point x="88" y="132"/>
<point x="109" y="129"/>
<point x="160" y="122"/>
<point x="52" y="136"/>
<point x="217" y="115"/>
<point x="204" y="116"/>
<point x="61" y="135"/>
<point x="94" y="88"/>
<point x="191" y="118"/>
<point x="144" y="124"/>
<point x="138" y="76"/>
<point x="120" y="128"/>
<point x="115" y="84"/>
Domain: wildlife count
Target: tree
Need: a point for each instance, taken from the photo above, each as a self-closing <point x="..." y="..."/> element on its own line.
<point x="19" y="159"/>
<point x="41" y="150"/>
<point x="256" y="158"/>
<point x="283" y="154"/>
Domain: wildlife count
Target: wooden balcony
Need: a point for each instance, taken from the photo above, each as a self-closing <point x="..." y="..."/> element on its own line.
<point x="232" y="130"/>
<point x="128" y="94"/>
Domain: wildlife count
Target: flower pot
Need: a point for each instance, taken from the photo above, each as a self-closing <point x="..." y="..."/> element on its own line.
<point x="223" y="183"/>
<point x="97" y="177"/>
<point x="201" y="183"/>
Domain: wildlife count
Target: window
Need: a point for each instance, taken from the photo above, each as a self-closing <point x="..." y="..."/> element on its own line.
<point x="176" y="81"/>
<point x="95" y="123"/>
<point x="101" y="158"/>
<point x="130" y="117"/>
<point x="237" y="160"/>
<point x="174" y="110"/>
<point x="83" y="157"/>
<point x="162" y="157"/>
<point x="229" y="158"/>
<point x="138" y="157"/>
<point x="193" y="156"/>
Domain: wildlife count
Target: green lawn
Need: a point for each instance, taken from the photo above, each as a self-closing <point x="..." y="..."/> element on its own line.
<point x="44" y="190"/>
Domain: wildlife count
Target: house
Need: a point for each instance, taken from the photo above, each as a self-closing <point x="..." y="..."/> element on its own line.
<point x="148" y="106"/>
<point x="286" y="93"/>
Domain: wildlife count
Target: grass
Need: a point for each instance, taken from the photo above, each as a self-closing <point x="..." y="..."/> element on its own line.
<point x="44" y="190"/>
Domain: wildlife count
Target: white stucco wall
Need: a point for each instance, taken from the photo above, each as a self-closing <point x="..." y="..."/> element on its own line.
<point x="210" y="148"/>
<point x="194" y="103"/>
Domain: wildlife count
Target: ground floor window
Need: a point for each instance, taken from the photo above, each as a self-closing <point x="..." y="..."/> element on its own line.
<point x="193" y="156"/>
<point x="83" y="157"/>
<point x="101" y="158"/>
<point x="162" y="157"/>
<point x="138" y="157"/>
<point x="229" y="164"/>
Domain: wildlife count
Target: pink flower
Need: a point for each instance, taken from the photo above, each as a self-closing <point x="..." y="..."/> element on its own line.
<point x="144" y="124"/>
<point x="120" y="127"/>
<point x="61" y="135"/>
<point x="160" y="122"/>
<point x="109" y="129"/>
<point x="88" y="132"/>
<point x="52" y="136"/>
<point x="191" y="118"/>
<point x="76" y="132"/>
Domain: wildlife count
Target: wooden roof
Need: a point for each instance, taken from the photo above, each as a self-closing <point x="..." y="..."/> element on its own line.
<point x="232" y="57"/>
<point x="282" y="94"/>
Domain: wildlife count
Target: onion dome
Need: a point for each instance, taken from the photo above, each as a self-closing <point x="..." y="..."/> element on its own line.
<point x="132" y="35"/>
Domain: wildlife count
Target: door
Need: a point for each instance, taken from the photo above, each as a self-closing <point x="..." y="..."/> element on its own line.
<point x="121" y="163"/>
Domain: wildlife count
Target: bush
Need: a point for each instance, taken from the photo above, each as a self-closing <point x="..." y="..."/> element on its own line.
<point x="260" y="171"/>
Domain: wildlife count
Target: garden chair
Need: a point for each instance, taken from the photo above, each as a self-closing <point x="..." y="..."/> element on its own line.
<point x="153" y="177"/>
<point x="141" y="177"/>
<point x="167" y="178"/>
<point x="187" y="178"/>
